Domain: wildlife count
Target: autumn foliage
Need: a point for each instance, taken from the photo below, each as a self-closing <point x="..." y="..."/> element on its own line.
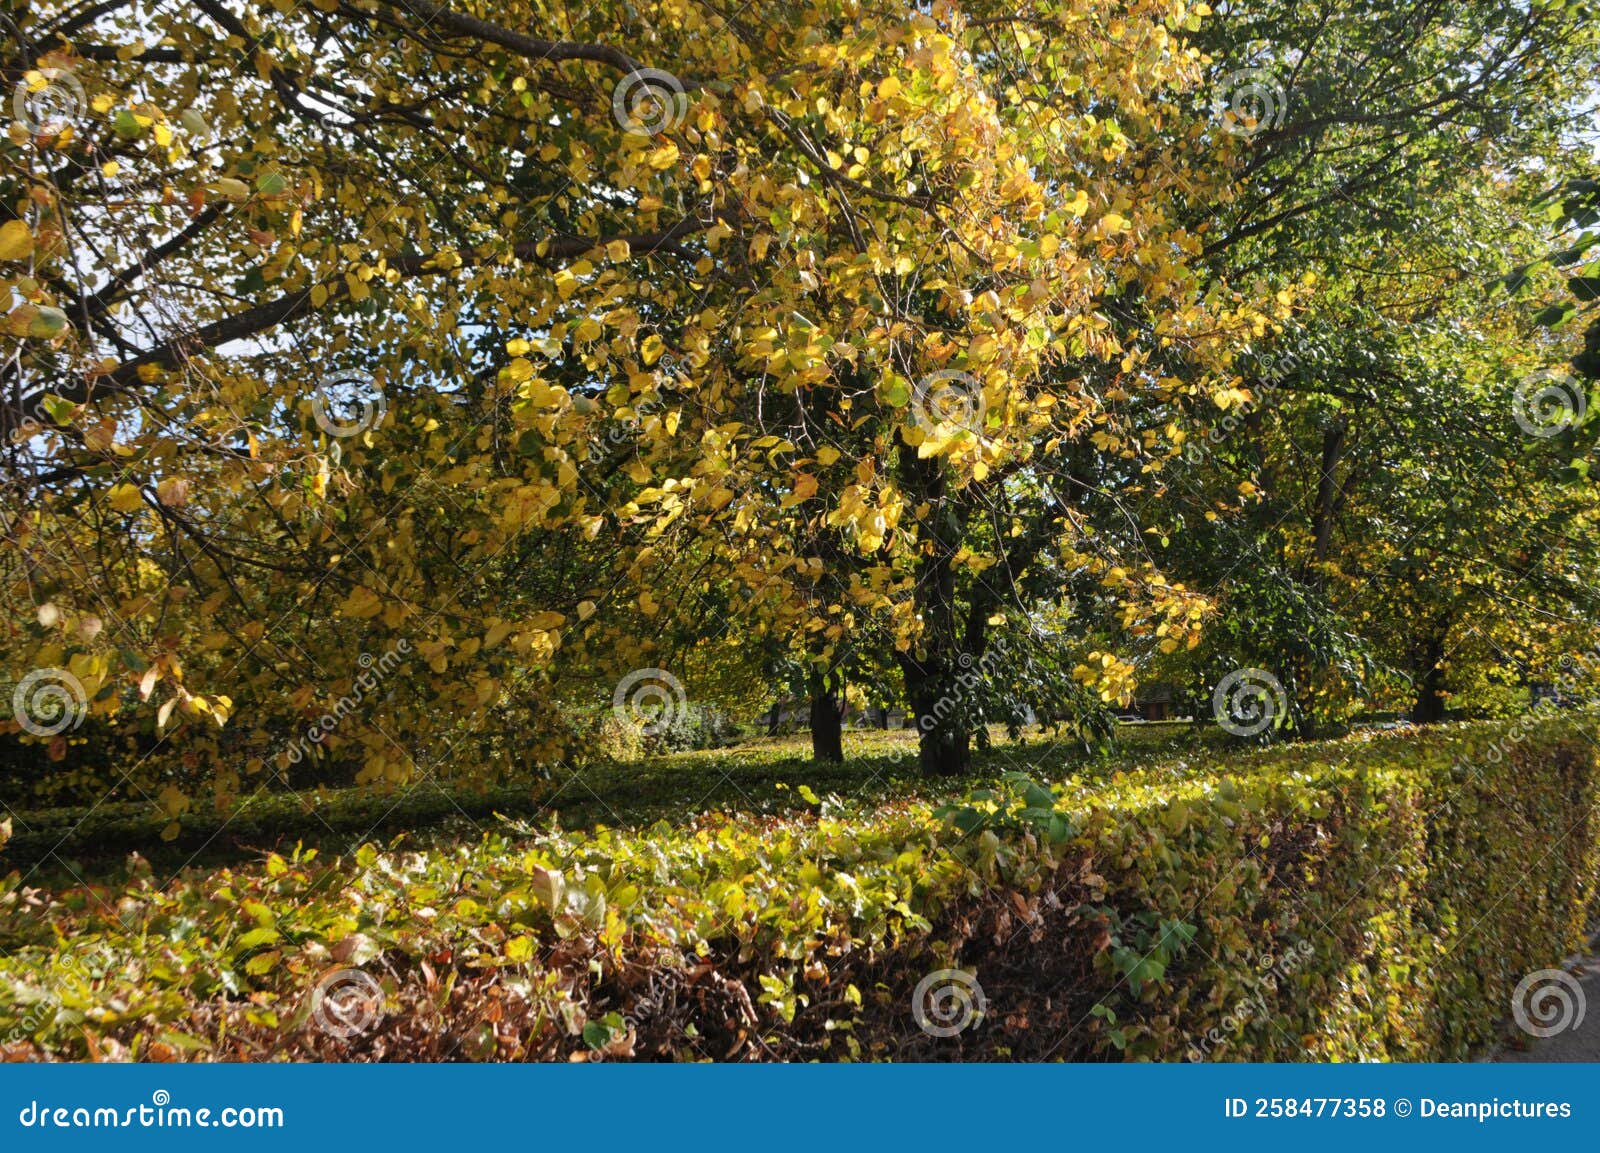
<point x="416" y="367"/>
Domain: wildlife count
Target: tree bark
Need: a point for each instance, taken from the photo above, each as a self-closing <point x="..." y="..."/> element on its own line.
<point x="1328" y="492"/>
<point x="931" y="667"/>
<point x="827" y="715"/>
<point x="944" y="745"/>
<point x="1428" y="709"/>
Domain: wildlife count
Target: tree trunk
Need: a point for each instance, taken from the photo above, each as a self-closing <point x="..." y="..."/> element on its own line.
<point x="827" y="731"/>
<point x="943" y="743"/>
<point x="1327" y="493"/>
<point x="1429" y="706"/>
<point x="937" y="698"/>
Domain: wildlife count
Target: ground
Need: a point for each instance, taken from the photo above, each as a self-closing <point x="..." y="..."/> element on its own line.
<point x="1578" y="1044"/>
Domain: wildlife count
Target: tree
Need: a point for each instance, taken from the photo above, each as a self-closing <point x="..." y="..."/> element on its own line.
<point x="1388" y="196"/>
<point x="678" y="346"/>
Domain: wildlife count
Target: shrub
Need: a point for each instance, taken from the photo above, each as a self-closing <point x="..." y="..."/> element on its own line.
<point x="616" y="739"/>
<point x="693" y="727"/>
<point x="1374" y="898"/>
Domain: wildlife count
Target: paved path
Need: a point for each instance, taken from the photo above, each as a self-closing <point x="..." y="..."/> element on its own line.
<point x="1579" y="1044"/>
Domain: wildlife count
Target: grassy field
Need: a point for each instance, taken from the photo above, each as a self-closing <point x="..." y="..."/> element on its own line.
<point x="78" y="843"/>
<point x="1110" y="909"/>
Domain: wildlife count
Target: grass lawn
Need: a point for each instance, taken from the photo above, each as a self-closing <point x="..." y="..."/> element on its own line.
<point x="69" y="844"/>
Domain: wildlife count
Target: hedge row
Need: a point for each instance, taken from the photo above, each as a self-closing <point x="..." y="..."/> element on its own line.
<point x="1370" y="898"/>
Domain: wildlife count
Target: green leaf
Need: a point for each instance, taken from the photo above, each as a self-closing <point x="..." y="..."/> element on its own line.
<point x="599" y="1034"/>
<point x="47" y="323"/>
<point x="1553" y="315"/>
<point x="262" y="963"/>
<point x="258" y="937"/>
<point x="272" y="183"/>
<point x="126" y="125"/>
<point x="1585" y="288"/>
<point x="59" y="409"/>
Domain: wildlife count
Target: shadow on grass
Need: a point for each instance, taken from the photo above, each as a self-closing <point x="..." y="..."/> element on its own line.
<point x="63" y="846"/>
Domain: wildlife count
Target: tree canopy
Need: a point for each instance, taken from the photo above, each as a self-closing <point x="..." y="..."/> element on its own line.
<point x="386" y="383"/>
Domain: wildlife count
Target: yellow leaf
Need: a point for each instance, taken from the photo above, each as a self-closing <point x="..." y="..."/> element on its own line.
<point x="16" y="242"/>
<point x="361" y="603"/>
<point x="125" y="497"/>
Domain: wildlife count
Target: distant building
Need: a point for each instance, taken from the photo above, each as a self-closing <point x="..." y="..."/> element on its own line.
<point x="1154" y="703"/>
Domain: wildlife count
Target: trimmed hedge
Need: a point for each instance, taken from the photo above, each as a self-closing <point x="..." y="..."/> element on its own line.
<point x="1375" y="898"/>
<point x="1359" y="903"/>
